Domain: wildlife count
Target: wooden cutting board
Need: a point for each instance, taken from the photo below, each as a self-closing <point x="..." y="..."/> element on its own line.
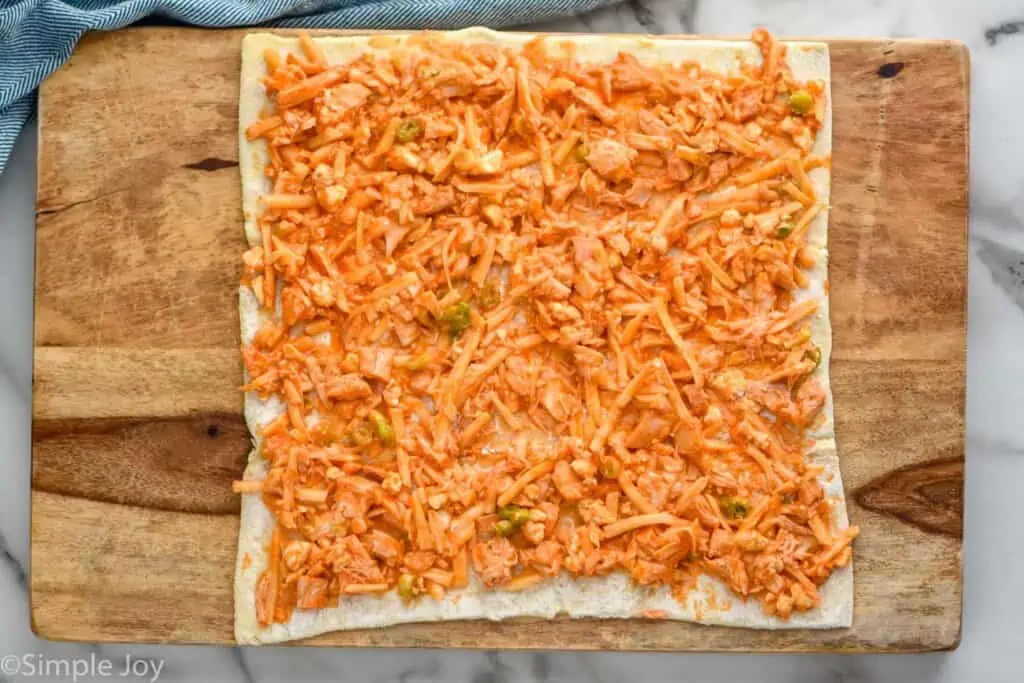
<point x="138" y="426"/>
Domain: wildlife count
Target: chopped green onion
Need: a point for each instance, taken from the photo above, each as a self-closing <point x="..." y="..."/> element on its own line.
<point x="514" y="515"/>
<point x="409" y="130"/>
<point x="383" y="427"/>
<point x="610" y="467"/>
<point x="801" y="101"/>
<point x="581" y="152"/>
<point x="734" y="508"/>
<point x="457" y="318"/>
<point x="405" y="585"/>
<point x="506" y="528"/>
<point x="521" y="516"/>
<point x="785" y="228"/>
<point x="813" y="353"/>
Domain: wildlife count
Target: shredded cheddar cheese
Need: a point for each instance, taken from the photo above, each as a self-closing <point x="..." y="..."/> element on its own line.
<point x="563" y="333"/>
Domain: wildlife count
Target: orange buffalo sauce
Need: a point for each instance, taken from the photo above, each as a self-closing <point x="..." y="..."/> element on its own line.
<point x="537" y="315"/>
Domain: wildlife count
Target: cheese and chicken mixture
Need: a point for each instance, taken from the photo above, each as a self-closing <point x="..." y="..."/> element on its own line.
<point x="532" y="315"/>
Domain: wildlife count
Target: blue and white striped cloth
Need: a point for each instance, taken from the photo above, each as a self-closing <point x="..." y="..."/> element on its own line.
<point x="36" y="36"/>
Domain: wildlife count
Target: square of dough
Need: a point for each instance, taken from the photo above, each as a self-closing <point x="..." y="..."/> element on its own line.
<point x="613" y="596"/>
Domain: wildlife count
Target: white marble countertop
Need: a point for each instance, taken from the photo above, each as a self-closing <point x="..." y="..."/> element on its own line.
<point x="992" y="642"/>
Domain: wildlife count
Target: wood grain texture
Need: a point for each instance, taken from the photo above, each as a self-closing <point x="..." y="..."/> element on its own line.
<point x="138" y="428"/>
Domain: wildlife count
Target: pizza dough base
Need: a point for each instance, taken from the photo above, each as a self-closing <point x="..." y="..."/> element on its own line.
<point x="612" y="596"/>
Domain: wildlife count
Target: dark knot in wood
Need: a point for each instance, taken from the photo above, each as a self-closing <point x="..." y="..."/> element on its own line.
<point x="929" y="496"/>
<point x="211" y="164"/>
<point x="890" y="69"/>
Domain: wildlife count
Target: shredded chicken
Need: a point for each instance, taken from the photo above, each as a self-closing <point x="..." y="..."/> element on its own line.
<point x="537" y="315"/>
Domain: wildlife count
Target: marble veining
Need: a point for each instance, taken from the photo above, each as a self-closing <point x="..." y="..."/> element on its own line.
<point x="994" y="588"/>
<point x="1009" y="28"/>
<point x="1006" y="265"/>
